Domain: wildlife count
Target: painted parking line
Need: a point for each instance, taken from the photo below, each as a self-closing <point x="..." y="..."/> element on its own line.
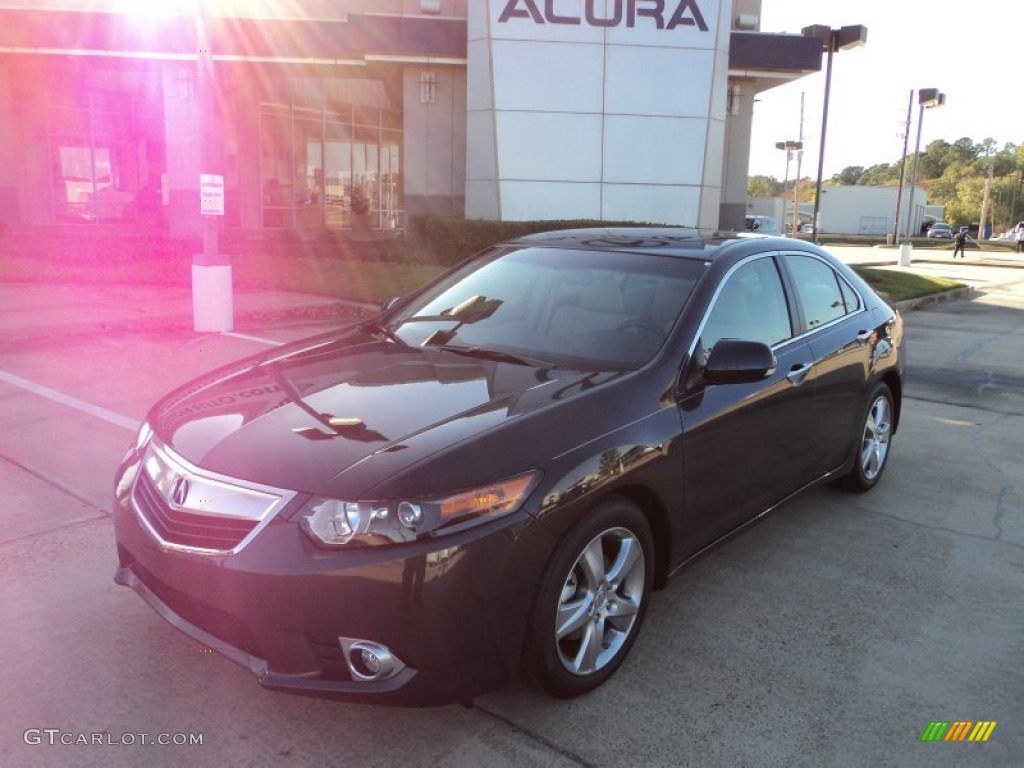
<point x="247" y="337"/>
<point x="68" y="400"/>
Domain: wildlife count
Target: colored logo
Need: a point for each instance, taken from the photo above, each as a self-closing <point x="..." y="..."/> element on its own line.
<point x="958" y="730"/>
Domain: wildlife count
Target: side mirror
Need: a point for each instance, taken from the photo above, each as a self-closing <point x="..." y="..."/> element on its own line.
<point x="734" y="361"/>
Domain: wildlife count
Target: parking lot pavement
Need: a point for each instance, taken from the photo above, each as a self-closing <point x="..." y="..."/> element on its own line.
<point x="829" y="635"/>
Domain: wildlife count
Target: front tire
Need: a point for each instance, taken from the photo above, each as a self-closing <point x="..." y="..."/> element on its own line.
<point x="591" y="601"/>
<point x="873" y="444"/>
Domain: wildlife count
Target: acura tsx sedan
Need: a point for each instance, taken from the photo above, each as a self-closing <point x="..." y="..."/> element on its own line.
<point x="490" y="477"/>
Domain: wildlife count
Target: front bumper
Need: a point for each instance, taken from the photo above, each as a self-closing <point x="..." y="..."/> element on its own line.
<point x="454" y="609"/>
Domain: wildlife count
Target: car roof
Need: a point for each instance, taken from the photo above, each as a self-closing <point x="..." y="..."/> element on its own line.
<point x="705" y="245"/>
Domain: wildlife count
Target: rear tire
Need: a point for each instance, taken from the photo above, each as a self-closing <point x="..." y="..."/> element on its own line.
<point x="591" y="601"/>
<point x="873" y="442"/>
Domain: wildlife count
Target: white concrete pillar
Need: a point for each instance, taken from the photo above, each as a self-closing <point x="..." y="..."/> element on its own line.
<point x="906" y="253"/>
<point x="212" y="299"/>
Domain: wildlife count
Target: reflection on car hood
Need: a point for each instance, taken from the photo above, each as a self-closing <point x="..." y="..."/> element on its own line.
<point x="301" y="419"/>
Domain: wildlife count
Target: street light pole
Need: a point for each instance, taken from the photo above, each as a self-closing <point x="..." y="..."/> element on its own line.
<point x="832" y="40"/>
<point x="926" y="97"/>
<point x="799" y="163"/>
<point x="821" y="147"/>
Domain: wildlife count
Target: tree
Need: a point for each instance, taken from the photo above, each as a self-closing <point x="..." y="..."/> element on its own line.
<point x="962" y="151"/>
<point x="763" y="186"/>
<point x="848" y="176"/>
<point x="881" y="175"/>
<point x="964" y="206"/>
<point x="933" y="161"/>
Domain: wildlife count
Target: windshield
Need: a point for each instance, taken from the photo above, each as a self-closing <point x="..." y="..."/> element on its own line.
<point x="593" y="310"/>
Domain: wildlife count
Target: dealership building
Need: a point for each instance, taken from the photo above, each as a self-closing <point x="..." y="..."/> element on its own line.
<point x="338" y="114"/>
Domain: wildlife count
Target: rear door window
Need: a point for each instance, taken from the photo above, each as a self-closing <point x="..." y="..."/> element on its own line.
<point x="819" y="295"/>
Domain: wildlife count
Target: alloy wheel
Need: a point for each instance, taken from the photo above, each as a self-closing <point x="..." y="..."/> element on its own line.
<point x="875" y="443"/>
<point x="599" y="601"/>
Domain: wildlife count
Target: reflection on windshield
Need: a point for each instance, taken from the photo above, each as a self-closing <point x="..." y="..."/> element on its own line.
<point x="472" y="310"/>
<point x="596" y="310"/>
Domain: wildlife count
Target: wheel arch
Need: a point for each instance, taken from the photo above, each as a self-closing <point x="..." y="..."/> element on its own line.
<point x="653" y="509"/>
<point x="895" y="384"/>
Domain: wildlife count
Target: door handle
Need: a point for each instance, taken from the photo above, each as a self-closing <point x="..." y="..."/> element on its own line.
<point x="863" y="337"/>
<point x="798" y="373"/>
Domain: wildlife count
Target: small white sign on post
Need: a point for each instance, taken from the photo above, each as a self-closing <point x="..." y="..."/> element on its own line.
<point x="211" y="194"/>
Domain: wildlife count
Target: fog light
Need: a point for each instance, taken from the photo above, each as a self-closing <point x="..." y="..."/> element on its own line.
<point x="368" y="661"/>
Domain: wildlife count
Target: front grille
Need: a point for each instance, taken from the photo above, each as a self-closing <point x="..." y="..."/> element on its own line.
<point x="177" y="526"/>
<point x="194" y="510"/>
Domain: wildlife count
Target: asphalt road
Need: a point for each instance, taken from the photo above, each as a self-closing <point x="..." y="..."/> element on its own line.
<point x="831" y="634"/>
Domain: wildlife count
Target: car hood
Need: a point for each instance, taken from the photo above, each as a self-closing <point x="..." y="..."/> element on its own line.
<point x="339" y="416"/>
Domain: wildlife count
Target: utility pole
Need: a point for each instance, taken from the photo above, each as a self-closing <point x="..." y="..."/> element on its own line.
<point x="984" y="204"/>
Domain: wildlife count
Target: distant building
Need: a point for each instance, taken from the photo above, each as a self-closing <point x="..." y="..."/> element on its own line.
<point x="855" y="210"/>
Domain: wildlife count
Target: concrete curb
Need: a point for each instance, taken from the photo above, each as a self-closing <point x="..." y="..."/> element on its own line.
<point x="953" y="294"/>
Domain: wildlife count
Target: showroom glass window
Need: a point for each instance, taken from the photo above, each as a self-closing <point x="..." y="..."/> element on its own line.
<point x="104" y="128"/>
<point x="751" y="305"/>
<point x="330" y="155"/>
<point x="822" y="294"/>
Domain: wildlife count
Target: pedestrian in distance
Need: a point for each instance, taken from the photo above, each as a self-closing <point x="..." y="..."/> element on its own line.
<point x="960" y="243"/>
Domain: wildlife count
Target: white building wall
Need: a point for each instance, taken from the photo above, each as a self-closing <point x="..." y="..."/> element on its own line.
<point x="579" y="120"/>
<point x="856" y="210"/>
<point x="852" y="210"/>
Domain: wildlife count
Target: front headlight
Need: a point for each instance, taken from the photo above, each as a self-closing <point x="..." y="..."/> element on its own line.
<point x="367" y="523"/>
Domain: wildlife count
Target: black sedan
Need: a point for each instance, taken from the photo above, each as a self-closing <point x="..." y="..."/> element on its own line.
<point x="491" y="476"/>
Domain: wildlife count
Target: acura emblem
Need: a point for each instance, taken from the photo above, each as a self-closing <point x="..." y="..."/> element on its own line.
<point x="179" y="492"/>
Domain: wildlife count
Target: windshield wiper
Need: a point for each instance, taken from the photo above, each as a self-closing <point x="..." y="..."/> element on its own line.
<point x="430" y="319"/>
<point x="494" y="354"/>
<point x="382" y="330"/>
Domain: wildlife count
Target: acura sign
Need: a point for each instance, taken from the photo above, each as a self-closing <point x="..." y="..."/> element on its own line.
<point x="596" y="109"/>
<point x="685" y="13"/>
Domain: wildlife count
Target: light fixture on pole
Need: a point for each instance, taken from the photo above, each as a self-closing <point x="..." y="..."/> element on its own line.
<point x="926" y="98"/>
<point x="832" y="40"/>
<point x="788" y="147"/>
